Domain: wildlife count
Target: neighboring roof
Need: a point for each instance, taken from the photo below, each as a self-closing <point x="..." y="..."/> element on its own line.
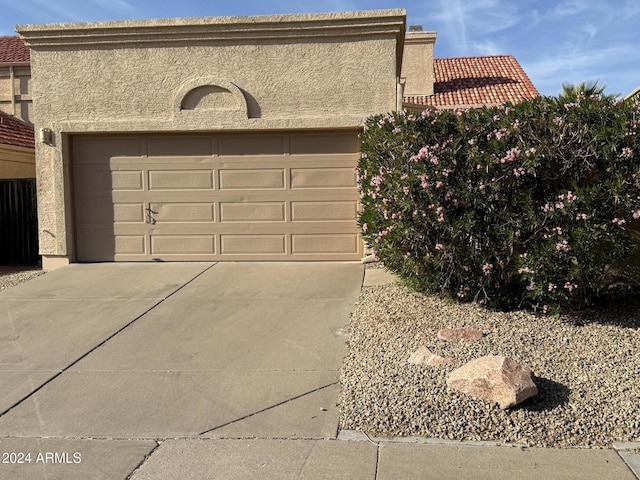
<point x="13" y="49"/>
<point x="633" y="94"/>
<point x="475" y="81"/>
<point x="14" y="131"/>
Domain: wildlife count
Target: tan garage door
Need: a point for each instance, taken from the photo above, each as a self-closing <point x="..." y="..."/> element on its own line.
<point x="174" y="197"/>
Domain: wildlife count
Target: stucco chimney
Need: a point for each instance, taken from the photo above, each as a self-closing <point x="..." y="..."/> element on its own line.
<point x="417" y="62"/>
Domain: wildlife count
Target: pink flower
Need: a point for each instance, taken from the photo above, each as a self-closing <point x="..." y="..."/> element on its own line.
<point x="562" y="246"/>
<point x="511" y="155"/>
<point x="618" y="221"/>
<point x="551" y="287"/>
<point x="405" y="190"/>
<point x="570" y="286"/>
<point x="584" y="216"/>
<point x="570" y="197"/>
<point x="396" y="130"/>
<point x="636" y="214"/>
<point x="626" y="153"/>
<point x="472" y="141"/>
<point x="439" y="246"/>
<point x="487" y="268"/>
<point x="518" y="172"/>
<point x="365" y="227"/>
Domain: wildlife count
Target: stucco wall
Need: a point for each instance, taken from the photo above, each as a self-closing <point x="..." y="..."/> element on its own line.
<point x="218" y="73"/>
<point x="417" y="63"/>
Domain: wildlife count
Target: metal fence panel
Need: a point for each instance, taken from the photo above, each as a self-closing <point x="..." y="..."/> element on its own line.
<point x="18" y="222"/>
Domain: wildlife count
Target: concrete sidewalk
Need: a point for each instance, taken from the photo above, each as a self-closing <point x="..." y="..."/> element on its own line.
<point x="200" y="370"/>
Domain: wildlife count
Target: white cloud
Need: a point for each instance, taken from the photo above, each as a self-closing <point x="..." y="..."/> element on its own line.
<point x="465" y="22"/>
<point x="487" y="47"/>
<point x="569" y="8"/>
<point x="604" y="64"/>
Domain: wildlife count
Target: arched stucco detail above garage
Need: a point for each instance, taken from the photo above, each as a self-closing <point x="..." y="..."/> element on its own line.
<point x="210" y="95"/>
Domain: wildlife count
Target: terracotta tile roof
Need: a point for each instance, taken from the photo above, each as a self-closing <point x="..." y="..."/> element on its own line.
<point x="14" y="131"/>
<point x="13" y="49"/>
<point x="474" y="81"/>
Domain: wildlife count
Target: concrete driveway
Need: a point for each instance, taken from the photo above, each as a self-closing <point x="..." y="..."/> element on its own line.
<point x="103" y="360"/>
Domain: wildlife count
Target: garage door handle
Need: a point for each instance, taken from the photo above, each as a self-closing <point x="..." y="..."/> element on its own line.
<point x="149" y="216"/>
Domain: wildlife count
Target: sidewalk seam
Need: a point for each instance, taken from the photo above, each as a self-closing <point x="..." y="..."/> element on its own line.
<point x="631" y="469"/>
<point x="268" y="408"/>
<point x="93" y="349"/>
<point x="143" y="461"/>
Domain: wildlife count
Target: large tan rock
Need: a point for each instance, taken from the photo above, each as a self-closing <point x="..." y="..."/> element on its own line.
<point x="495" y="379"/>
<point x="424" y="356"/>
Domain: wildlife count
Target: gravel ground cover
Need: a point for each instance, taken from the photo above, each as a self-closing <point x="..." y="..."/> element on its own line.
<point x="587" y="370"/>
<point x="11" y="276"/>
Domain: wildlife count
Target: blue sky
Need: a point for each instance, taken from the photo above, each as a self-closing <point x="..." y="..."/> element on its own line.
<point x="555" y="41"/>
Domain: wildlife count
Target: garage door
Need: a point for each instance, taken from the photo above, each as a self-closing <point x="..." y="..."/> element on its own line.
<point x="171" y="197"/>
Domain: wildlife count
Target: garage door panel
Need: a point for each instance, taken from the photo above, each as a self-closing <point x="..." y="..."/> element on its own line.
<point x="324" y="243"/>
<point x="182" y="212"/>
<point x="94" y="149"/>
<point x="250" y="179"/>
<point x="321" y="143"/>
<point x="324" y="211"/>
<point x="181" y="146"/>
<point x="182" y="244"/>
<point x="322" y="177"/>
<point x="251" y="145"/>
<point x="253" y="244"/>
<point x="127" y="180"/>
<point x="252" y="211"/>
<point x="181" y="180"/>
<point x="129" y="244"/>
<point x="269" y="196"/>
<point x="103" y="245"/>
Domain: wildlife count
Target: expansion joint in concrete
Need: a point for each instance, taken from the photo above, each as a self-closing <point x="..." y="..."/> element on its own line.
<point x="269" y="408"/>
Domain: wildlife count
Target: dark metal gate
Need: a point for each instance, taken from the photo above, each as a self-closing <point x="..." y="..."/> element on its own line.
<point x="18" y="222"/>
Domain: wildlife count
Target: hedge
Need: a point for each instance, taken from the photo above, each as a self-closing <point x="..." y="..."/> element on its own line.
<point x="524" y="205"/>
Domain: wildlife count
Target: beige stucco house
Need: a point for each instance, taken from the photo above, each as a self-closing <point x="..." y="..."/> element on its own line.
<point x="227" y="138"/>
<point x="221" y="138"/>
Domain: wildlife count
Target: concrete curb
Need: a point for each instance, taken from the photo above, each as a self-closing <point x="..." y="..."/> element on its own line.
<point x="630" y="453"/>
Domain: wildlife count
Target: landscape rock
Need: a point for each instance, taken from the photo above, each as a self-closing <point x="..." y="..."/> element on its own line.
<point x="495" y="379"/>
<point x="458" y="334"/>
<point x="424" y="356"/>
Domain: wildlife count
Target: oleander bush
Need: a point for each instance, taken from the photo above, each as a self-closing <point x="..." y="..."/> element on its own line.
<point x="525" y="205"/>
